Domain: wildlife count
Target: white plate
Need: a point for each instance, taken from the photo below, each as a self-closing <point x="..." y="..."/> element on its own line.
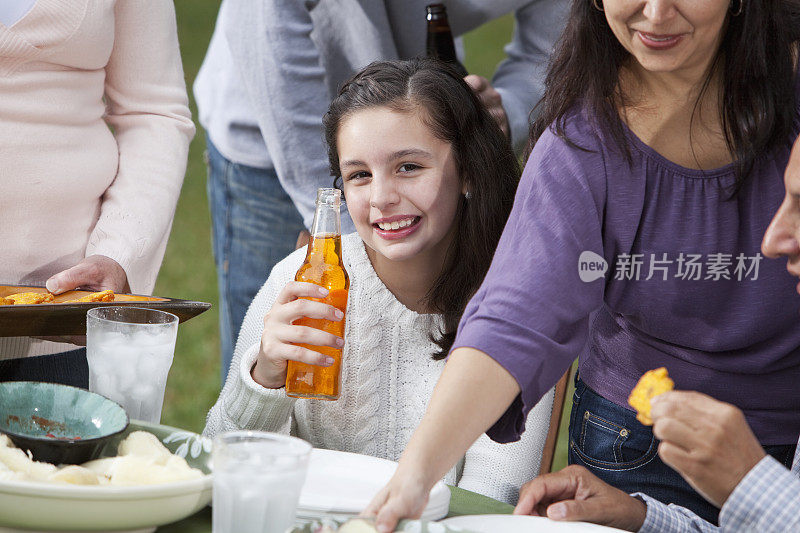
<point x="341" y="483"/>
<point x="46" y="507"/>
<point x="492" y="523"/>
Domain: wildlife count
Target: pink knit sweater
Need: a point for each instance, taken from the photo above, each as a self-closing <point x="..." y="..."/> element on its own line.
<point x="94" y="136"/>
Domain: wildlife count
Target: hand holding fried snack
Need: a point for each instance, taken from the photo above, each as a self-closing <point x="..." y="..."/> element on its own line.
<point x="706" y="441"/>
<point x="651" y="384"/>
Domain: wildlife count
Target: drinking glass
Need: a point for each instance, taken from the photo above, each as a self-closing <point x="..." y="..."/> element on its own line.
<point x="257" y="481"/>
<point x="130" y="352"/>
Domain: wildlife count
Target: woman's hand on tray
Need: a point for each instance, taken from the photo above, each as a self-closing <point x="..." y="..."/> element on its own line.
<point x="96" y="272"/>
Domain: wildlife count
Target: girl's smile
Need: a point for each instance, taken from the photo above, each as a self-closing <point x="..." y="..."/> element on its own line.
<point x="396" y="227"/>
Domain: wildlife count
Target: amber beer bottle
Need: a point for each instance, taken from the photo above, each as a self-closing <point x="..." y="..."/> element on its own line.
<point x="323" y="266"/>
<point x="440" y="43"/>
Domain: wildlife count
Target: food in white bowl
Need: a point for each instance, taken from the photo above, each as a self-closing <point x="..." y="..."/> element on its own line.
<point x="110" y="507"/>
<point x="141" y="460"/>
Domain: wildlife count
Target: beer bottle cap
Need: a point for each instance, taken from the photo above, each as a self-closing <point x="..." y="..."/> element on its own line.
<point x="329" y="197"/>
<point x="434" y="9"/>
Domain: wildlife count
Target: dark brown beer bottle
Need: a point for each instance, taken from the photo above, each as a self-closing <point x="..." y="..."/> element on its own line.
<point x="440" y="43"/>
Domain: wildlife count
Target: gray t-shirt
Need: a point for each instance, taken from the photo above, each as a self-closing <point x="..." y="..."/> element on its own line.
<point x="273" y="67"/>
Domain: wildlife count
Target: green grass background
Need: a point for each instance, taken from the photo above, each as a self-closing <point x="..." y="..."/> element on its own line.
<point x="188" y="269"/>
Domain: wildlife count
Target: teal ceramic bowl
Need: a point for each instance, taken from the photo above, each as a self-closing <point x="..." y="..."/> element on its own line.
<point x="59" y="424"/>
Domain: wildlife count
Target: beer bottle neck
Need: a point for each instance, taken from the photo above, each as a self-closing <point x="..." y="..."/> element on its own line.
<point x="440" y="44"/>
<point x="436" y="11"/>
<point x="326" y="216"/>
<point x="438" y="21"/>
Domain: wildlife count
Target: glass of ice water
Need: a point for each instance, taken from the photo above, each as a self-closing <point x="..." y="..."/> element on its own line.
<point x="257" y="481"/>
<point x="130" y="351"/>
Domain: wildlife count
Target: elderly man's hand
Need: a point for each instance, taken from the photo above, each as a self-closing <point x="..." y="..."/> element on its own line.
<point x="491" y="99"/>
<point x="706" y="441"/>
<point x="574" y="493"/>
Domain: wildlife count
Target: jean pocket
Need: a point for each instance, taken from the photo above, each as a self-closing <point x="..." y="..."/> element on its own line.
<point x="609" y="440"/>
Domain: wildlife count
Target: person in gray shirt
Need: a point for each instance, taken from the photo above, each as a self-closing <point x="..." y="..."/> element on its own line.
<point x="271" y="70"/>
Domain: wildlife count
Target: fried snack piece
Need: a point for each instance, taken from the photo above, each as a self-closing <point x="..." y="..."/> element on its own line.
<point x="145" y="444"/>
<point x="74" y="475"/>
<point x="103" y="296"/>
<point x="142" y="460"/>
<point x="28" y="298"/>
<point x="5" y="301"/>
<point x="651" y="384"/>
<point x="18" y="461"/>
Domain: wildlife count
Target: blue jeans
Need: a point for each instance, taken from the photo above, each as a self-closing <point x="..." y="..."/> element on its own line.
<point x="609" y="441"/>
<point x="254" y="225"/>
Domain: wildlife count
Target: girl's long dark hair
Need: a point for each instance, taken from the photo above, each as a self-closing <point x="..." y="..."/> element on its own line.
<point x="756" y="60"/>
<point x="484" y="159"/>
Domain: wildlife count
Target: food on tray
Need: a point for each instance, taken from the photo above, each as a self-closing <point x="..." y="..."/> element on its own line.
<point x="141" y="460"/>
<point x="651" y="384"/>
<point x="103" y="296"/>
<point x="28" y="298"/>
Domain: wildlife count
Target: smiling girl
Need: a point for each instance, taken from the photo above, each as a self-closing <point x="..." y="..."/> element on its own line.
<point x="429" y="180"/>
<point x="660" y="146"/>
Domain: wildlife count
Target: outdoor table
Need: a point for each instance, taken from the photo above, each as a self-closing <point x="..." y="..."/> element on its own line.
<point x="462" y="502"/>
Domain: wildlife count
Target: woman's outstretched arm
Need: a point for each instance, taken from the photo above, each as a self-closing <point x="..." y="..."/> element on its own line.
<point x="472" y="393"/>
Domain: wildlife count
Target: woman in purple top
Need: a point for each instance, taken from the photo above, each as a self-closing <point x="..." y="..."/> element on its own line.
<point x="634" y="243"/>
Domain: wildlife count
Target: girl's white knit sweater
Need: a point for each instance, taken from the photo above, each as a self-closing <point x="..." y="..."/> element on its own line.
<point x="388" y="376"/>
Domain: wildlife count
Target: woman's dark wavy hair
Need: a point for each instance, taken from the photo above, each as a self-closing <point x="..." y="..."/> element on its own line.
<point x="483" y="156"/>
<point x="756" y="59"/>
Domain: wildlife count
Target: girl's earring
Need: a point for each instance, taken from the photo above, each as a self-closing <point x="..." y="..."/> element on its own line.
<point x="468" y="195"/>
<point x="598" y="6"/>
<point x="736" y="12"/>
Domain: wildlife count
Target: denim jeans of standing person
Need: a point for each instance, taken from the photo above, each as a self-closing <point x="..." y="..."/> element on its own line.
<point x="609" y="441"/>
<point x="254" y="226"/>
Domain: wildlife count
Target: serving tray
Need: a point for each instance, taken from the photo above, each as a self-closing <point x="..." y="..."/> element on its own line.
<point x="59" y="318"/>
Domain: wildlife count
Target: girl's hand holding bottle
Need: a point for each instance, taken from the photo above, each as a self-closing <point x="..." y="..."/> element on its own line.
<point x="280" y="340"/>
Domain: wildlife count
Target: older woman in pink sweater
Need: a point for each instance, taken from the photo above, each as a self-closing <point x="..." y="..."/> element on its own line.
<point x="94" y="135"/>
